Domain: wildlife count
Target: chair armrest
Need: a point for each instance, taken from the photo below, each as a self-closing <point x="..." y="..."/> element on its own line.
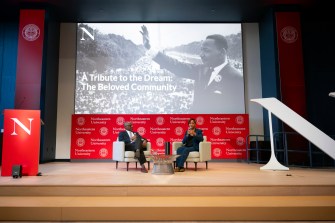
<point x="175" y="146"/>
<point x="118" y="150"/>
<point x="205" y="151"/>
<point x="149" y="146"/>
<point x="147" y="152"/>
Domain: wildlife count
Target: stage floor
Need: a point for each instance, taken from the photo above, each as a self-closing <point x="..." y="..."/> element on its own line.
<point x="98" y="192"/>
<point x="172" y="221"/>
<point x="217" y="174"/>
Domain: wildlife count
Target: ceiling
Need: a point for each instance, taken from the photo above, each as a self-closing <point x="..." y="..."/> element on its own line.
<point x="155" y="10"/>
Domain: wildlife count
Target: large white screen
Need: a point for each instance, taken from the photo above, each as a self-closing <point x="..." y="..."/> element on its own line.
<point x="116" y="74"/>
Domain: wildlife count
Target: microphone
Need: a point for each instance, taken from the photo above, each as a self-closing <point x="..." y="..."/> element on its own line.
<point x="192" y="132"/>
<point x="189" y="129"/>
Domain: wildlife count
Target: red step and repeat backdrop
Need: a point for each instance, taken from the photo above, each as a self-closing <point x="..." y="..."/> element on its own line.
<point x="92" y="136"/>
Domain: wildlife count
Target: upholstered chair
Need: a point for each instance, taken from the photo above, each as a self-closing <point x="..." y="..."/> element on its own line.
<point x="204" y="154"/>
<point x="121" y="155"/>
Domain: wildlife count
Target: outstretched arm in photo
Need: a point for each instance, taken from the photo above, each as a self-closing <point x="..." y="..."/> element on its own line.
<point x="145" y="36"/>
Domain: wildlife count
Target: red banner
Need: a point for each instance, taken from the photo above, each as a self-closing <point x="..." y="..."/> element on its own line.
<point x="29" y="59"/>
<point x="291" y="70"/>
<point x="93" y="135"/>
<point x="21" y="141"/>
<point x="291" y="67"/>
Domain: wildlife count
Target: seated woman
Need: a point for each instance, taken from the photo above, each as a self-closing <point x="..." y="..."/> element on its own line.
<point x="191" y="140"/>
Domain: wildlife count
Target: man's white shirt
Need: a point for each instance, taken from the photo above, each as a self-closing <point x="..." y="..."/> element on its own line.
<point x="131" y="134"/>
<point x="216" y="71"/>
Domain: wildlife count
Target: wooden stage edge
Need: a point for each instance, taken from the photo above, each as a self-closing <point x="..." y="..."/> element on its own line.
<point x="227" y="191"/>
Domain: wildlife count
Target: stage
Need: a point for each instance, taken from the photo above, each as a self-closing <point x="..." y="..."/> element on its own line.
<point x="230" y="191"/>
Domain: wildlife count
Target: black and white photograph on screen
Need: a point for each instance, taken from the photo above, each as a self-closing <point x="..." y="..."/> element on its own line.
<point x="159" y="68"/>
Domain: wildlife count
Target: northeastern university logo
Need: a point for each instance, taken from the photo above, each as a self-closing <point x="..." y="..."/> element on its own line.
<point x="289" y="34"/>
<point x="160" y="120"/>
<point x="216" y="130"/>
<point x="217" y="152"/>
<point x="239" y="120"/>
<point x="240" y="141"/>
<point x="119" y="120"/>
<point x="103" y="152"/>
<point x="141" y="130"/>
<point x="80" y="142"/>
<point x="103" y="131"/>
<point x="160" y="142"/>
<point x="31" y="32"/>
<point x="178" y="131"/>
<point x="81" y="121"/>
<point x="200" y="120"/>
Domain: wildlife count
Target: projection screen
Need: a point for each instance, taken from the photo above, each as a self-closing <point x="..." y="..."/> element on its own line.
<point x="116" y="73"/>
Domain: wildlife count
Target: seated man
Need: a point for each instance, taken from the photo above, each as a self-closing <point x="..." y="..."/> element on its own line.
<point x="134" y="142"/>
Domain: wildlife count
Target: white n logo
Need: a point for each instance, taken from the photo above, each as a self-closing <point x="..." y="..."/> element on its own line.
<point x="17" y="122"/>
<point x="87" y="32"/>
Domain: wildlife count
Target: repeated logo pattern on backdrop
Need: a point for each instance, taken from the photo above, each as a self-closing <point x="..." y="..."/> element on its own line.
<point x="93" y="135"/>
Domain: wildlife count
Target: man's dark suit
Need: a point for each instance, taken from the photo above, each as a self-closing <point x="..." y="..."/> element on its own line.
<point x="133" y="146"/>
<point x="225" y="94"/>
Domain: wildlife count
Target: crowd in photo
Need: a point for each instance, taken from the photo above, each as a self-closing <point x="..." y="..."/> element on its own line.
<point x="131" y="101"/>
